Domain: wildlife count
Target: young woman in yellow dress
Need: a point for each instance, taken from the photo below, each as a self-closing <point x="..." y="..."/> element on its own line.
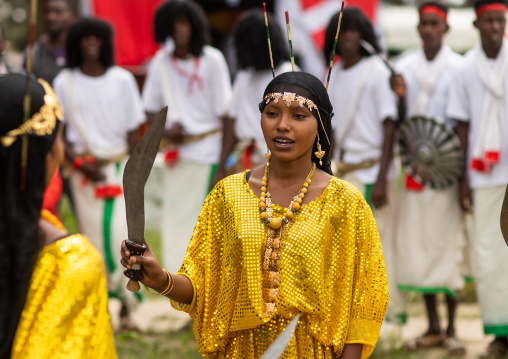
<point x="52" y="285"/>
<point x="282" y="239"/>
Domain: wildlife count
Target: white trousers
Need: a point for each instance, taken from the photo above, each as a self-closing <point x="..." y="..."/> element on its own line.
<point x="386" y="221"/>
<point x="430" y="241"/>
<point x="184" y="189"/>
<point x="490" y="259"/>
<point x="104" y="222"/>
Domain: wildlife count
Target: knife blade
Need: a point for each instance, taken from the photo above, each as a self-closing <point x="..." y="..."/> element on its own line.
<point x="280" y="344"/>
<point x="136" y="173"/>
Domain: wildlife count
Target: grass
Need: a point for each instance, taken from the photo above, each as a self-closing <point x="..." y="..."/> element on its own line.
<point x="152" y="345"/>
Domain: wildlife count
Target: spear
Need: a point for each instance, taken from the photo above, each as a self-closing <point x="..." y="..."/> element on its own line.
<point x="332" y="56"/>
<point x="268" y="39"/>
<point x="27" y="99"/>
<point x="290" y="43"/>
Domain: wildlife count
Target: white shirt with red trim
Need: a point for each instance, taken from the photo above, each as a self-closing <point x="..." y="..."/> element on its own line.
<point x="248" y="90"/>
<point x="202" y="92"/>
<point x="466" y="103"/>
<point x="376" y="103"/>
<point x="109" y="107"/>
<point x="438" y="98"/>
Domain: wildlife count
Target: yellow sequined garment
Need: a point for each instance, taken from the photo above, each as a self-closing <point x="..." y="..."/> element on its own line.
<point x="66" y="309"/>
<point x="332" y="271"/>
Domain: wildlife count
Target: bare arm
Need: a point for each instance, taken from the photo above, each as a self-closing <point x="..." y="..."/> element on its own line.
<point x="462" y="131"/>
<point x="398" y="86"/>
<point x="352" y="351"/>
<point x="229" y="141"/>
<point x="89" y="169"/>
<point x="155" y="277"/>
<point x="379" y="192"/>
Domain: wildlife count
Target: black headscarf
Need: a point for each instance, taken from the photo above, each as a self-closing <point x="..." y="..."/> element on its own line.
<point x="19" y="210"/>
<point x="311" y="87"/>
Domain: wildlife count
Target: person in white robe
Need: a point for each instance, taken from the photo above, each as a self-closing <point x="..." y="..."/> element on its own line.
<point x="254" y="74"/>
<point x="431" y="228"/>
<point x="103" y="110"/>
<point x="366" y="113"/>
<point x="478" y="104"/>
<point x="192" y="79"/>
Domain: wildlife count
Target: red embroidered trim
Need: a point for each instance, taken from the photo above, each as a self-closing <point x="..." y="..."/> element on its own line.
<point x="193" y="77"/>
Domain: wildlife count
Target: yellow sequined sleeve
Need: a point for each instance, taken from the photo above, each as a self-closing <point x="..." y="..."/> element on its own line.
<point x="370" y="286"/>
<point x="66" y="310"/>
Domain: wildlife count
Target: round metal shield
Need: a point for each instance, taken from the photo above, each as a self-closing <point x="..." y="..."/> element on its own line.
<point x="430" y="152"/>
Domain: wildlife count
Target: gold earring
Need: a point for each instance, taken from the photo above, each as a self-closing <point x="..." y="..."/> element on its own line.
<point x="319" y="153"/>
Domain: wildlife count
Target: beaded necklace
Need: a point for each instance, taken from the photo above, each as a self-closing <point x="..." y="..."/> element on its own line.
<point x="271" y="263"/>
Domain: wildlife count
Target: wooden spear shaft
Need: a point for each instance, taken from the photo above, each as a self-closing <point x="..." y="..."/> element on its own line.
<point x="334" y="46"/>
<point x="290" y="43"/>
<point x="268" y="39"/>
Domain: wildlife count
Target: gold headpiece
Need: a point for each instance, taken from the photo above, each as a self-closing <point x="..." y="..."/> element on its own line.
<point x="289" y="97"/>
<point x="40" y="124"/>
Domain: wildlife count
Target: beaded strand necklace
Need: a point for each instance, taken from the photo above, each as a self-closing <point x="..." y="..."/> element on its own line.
<point x="271" y="263"/>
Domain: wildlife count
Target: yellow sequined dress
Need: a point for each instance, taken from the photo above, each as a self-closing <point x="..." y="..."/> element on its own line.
<point x="66" y="309"/>
<point x="332" y="271"/>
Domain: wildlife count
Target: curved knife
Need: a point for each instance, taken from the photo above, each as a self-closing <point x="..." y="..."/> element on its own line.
<point x="504" y="217"/>
<point x="135" y="175"/>
<point x="279" y="345"/>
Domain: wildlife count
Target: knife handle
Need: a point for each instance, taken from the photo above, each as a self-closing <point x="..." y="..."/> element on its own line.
<point x="134" y="274"/>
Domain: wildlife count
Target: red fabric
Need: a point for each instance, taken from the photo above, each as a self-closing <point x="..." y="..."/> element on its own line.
<point x="52" y="194"/>
<point x="430" y="9"/>
<point x="369" y="7"/>
<point x="485" y="164"/>
<point x="412" y="184"/>
<point x="171" y="156"/>
<point x="132" y="21"/>
<point x="107" y="191"/>
<point x="319" y="38"/>
<point x="247" y="165"/>
<point x="306" y="4"/>
<point x="492" y="156"/>
<point x="490" y="7"/>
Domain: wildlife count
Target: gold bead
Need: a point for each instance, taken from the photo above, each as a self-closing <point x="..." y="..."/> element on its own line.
<point x="270" y="294"/>
<point x="263" y="215"/>
<point x="299" y="200"/>
<point x="305" y="184"/>
<point x="289" y="214"/>
<point x="275" y="223"/>
<point x="263" y="183"/>
<point x="263" y="189"/>
<point x="263" y="194"/>
<point x="262" y="205"/>
<point x="264" y="178"/>
<point x="303" y="190"/>
<point x="301" y="195"/>
<point x="296" y="205"/>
